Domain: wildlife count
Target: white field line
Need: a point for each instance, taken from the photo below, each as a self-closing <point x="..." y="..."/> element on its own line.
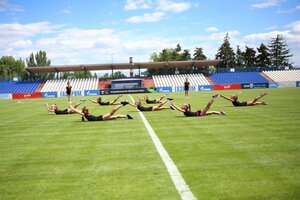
<point x="180" y="184"/>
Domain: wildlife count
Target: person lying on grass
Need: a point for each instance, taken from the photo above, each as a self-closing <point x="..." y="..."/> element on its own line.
<point x="252" y="102"/>
<point x="186" y="109"/>
<point x="154" y="101"/>
<point x="138" y="105"/>
<point x="70" y="110"/>
<point x="85" y="114"/>
<point x="109" y="103"/>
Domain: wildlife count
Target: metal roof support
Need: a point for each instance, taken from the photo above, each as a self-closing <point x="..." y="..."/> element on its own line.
<point x="57" y="72"/>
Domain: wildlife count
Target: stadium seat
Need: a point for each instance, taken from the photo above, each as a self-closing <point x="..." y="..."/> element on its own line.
<point x="283" y="75"/>
<point x="238" y="78"/>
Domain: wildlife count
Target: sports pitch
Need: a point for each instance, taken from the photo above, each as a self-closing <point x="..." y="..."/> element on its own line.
<point x="252" y="153"/>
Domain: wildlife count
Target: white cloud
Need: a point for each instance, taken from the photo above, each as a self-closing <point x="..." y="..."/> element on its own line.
<point x="146" y="44"/>
<point x="87" y="46"/>
<point x="154" y="17"/>
<point x="16" y="31"/>
<point x="266" y="3"/>
<point x="219" y="36"/>
<point x="295" y="27"/>
<point x="5" y="6"/>
<point x="291" y="34"/>
<point x="212" y="29"/>
<point x="272" y="27"/>
<point x="20" y="44"/>
<point x="263" y="37"/>
<point x="137" y="4"/>
<point x="290" y="10"/>
<point x="168" y="5"/>
<point x="67" y="10"/>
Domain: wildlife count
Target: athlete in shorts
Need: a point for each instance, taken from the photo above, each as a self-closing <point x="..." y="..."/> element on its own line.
<point x="154" y="101"/>
<point x="69" y="91"/>
<point x="252" y="102"/>
<point x="70" y="110"/>
<point x="109" y="116"/>
<point x="186" y="85"/>
<point x="186" y="109"/>
<point x="109" y="103"/>
<point x="138" y="105"/>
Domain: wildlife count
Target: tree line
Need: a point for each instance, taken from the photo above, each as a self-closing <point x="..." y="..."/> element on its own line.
<point x="276" y="53"/>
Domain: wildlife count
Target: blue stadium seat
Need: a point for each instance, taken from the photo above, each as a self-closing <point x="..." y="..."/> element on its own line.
<point x="19" y="87"/>
<point x="238" y="78"/>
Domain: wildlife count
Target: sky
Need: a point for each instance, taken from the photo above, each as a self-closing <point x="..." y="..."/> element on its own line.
<point x="111" y="31"/>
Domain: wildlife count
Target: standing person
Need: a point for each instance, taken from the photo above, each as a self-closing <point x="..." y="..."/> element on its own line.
<point x="69" y="91"/>
<point x="234" y="100"/>
<point x="108" y="103"/>
<point x="186" y="109"/>
<point x="186" y="88"/>
<point x="109" y="116"/>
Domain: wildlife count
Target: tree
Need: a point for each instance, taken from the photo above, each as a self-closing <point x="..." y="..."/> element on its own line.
<point x="240" y="57"/>
<point x="83" y="74"/>
<point x="185" y="55"/>
<point x="40" y="60"/>
<point x="263" y="57"/>
<point x="11" y="68"/>
<point x="118" y="74"/>
<point x="198" y="54"/>
<point x="226" y="53"/>
<point x="250" y="59"/>
<point x="279" y="53"/>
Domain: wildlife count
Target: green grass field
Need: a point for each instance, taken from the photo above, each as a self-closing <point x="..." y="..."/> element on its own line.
<point x="252" y="153"/>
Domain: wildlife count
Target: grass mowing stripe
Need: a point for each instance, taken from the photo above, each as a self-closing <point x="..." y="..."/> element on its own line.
<point x="180" y="184"/>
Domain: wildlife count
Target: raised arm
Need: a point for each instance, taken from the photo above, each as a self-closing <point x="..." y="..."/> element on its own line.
<point x="49" y="108"/>
<point x="93" y="101"/>
<point x="227" y="98"/>
<point x="140" y="98"/>
<point x="177" y="108"/>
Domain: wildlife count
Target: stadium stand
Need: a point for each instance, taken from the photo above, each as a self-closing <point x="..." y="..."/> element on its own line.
<point x="19" y="87"/>
<point x="283" y="75"/>
<point x="148" y="82"/>
<point x="238" y="78"/>
<point x="77" y="84"/>
<point x="178" y="80"/>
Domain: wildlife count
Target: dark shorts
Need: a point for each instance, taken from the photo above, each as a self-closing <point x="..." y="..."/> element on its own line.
<point x="62" y="112"/>
<point x="150" y="101"/>
<point x="193" y="114"/>
<point x="94" y="118"/>
<point x="141" y="108"/>
<point x="104" y="103"/>
<point x="237" y="103"/>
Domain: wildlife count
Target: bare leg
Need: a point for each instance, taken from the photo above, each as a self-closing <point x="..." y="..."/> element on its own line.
<point x="115" y="117"/>
<point x="159" y="99"/>
<point x="77" y="104"/>
<point x="115" y="100"/>
<point x="215" y="112"/>
<point x="108" y="115"/>
<point x="253" y="101"/>
<point x="206" y="108"/>
<point x="159" y="107"/>
<point x="260" y="103"/>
